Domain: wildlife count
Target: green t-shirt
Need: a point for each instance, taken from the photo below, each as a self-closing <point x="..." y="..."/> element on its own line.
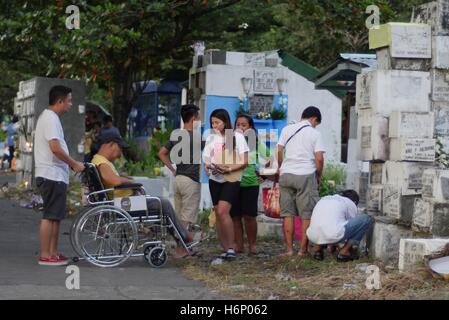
<point x="250" y="178"/>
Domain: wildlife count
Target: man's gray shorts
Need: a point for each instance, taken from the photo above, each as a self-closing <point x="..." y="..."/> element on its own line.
<point x="298" y="195"/>
<point x="54" y="196"/>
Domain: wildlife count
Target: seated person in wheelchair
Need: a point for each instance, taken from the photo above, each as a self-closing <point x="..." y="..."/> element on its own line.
<point x="111" y="145"/>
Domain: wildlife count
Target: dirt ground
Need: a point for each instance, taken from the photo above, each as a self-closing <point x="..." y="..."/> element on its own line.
<point x="265" y="276"/>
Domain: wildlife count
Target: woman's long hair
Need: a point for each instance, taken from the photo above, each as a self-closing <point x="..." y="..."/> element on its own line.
<point x="223" y="115"/>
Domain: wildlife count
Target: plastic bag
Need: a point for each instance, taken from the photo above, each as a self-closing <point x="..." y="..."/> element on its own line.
<point x="270" y="199"/>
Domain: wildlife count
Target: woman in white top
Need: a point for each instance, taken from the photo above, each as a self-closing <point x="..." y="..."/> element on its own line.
<point x="225" y="156"/>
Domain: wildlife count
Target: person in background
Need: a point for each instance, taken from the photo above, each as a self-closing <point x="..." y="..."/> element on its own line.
<point x="187" y="186"/>
<point x="11" y="131"/>
<point x="91" y="141"/>
<point x="335" y="220"/>
<point x="224" y="176"/>
<point x="52" y="163"/>
<point x="90" y="119"/>
<point x="246" y="205"/>
<point x="300" y="174"/>
<point x="108" y="125"/>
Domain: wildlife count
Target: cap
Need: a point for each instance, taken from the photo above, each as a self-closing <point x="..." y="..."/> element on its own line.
<point x="112" y="136"/>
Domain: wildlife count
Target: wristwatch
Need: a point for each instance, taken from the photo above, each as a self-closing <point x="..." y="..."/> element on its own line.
<point x="229" y="169"/>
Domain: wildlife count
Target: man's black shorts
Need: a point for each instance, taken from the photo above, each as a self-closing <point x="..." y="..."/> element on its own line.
<point x="54" y="195"/>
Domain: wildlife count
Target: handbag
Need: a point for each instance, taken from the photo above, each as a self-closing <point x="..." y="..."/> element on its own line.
<point x="270" y="199"/>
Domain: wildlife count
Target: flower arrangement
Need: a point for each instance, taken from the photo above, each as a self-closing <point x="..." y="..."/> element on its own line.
<point x="263" y="115"/>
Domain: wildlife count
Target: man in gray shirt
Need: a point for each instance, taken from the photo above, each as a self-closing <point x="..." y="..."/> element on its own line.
<point x="187" y="186"/>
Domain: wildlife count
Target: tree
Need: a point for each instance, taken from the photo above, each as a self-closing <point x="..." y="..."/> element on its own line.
<point x="120" y="44"/>
<point x="317" y="31"/>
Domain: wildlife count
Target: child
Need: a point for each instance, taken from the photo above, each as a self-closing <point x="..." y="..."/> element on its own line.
<point x="246" y="206"/>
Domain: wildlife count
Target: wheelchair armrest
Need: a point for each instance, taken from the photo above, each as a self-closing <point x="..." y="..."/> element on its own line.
<point x="128" y="186"/>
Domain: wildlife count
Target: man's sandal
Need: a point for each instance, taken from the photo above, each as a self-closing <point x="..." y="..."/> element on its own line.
<point x="342" y="258"/>
<point x="318" y="255"/>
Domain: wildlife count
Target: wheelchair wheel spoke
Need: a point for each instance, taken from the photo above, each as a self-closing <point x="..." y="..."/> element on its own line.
<point x="106" y="236"/>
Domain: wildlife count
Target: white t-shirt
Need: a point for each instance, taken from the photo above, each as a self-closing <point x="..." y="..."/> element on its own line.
<point x="47" y="165"/>
<point x="329" y="218"/>
<point x="216" y="143"/>
<point x="299" y="158"/>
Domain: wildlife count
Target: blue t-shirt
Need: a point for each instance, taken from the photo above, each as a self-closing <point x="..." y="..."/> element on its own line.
<point x="11" y="132"/>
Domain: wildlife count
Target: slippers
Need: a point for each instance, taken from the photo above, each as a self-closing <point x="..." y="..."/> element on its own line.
<point x="303" y="254"/>
<point x="230" y="254"/>
<point x="318" y="255"/>
<point x="342" y="258"/>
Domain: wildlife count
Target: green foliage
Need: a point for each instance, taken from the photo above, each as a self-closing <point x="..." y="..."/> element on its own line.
<point x="203" y="218"/>
<point x="335" y="172"/>
<point x="142" y="162"/>
<point x="333" y="179"/>
<point x="100" y="95"/>
<point x="158" y="140"/>
<point x="278" y="114"/>
<point x="123" y="42"/>
<point x="2" y="135"/>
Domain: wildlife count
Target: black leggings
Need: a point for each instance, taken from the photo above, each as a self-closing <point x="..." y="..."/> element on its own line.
<point x="11" y="156"/>
<point x="167" y="208"/>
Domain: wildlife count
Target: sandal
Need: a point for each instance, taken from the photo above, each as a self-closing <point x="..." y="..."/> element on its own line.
<point x="318" y="255"/>
<point x="342" y="258"/>
<point x="230" y="254"/>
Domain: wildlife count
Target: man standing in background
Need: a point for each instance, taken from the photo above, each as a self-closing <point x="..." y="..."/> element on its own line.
<point x="187" y="186"/>
<point x="11" y="131"/>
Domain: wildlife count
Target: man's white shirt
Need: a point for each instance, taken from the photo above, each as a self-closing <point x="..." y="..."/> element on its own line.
<point x="47" y="165"/>
<point x="299" y="158"/>
<point x="329" y="217"/>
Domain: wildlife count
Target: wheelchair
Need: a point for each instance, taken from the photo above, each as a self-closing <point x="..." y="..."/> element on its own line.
<point x="110" y="230"/>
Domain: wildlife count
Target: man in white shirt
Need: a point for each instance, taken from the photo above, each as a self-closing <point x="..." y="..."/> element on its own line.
<point x="300" y="171"/>
<point x="335" y="219"/>
<point x="52" y="162"/>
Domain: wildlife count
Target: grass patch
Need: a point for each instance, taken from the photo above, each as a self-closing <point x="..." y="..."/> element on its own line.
<point x="265" y="276"/>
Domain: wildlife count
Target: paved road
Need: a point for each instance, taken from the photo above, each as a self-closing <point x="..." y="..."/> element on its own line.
<point x="22" y="278"/>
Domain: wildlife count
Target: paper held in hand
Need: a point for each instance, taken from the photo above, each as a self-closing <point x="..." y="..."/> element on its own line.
<point x="229" y="157"/>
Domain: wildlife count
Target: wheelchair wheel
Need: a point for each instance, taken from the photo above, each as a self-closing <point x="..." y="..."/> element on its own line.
<point x="155" y="256"/>
<point x="73" y="231"/>
<point x="106" y="236"/>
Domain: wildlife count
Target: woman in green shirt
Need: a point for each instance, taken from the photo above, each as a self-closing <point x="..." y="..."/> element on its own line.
<point x="246" y="206"/>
